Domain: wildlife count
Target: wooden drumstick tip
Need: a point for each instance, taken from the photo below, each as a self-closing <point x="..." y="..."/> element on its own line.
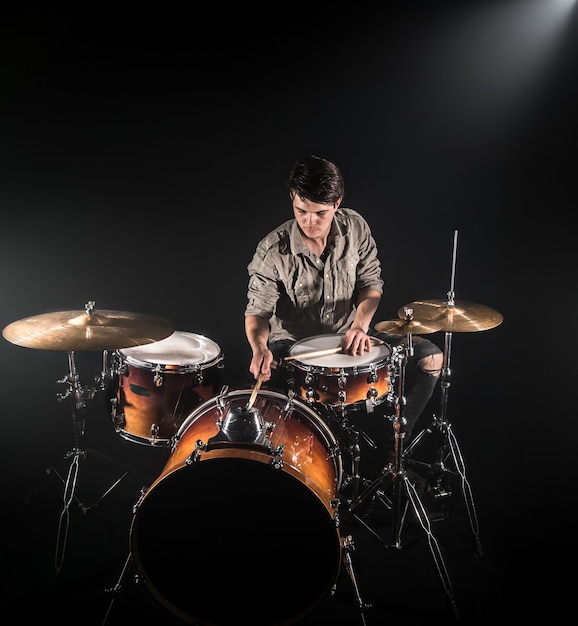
<point x="254" y="392"/>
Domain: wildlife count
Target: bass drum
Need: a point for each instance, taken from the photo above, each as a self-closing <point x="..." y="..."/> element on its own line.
<point x="248" y="497"/>
<point x="154" y="387"/>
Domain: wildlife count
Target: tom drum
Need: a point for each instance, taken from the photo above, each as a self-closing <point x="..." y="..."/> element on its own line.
<point x="154" y="387"/>
<point x="339" y="380"/>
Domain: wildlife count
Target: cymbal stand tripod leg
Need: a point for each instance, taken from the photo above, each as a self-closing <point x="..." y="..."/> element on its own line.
<point x="77" y="457"/>
<point x="401" y="485"/>
<point x="114" y="590"/>
<point x="348" y="547"/>
<point x="447" y="448"/>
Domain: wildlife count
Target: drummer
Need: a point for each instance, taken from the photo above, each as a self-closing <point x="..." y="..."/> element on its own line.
<point x="319" y="273"/>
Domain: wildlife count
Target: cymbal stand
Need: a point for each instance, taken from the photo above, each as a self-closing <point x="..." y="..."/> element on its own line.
<point x="401" y="485"/>
<point x="447" y="447"/>
<point x="76" y="456"/>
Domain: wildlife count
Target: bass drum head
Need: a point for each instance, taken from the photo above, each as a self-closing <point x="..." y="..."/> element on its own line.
<point x="231" y="540"/>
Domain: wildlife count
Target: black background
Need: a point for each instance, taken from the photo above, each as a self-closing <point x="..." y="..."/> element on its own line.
<point x="144" y="153"/>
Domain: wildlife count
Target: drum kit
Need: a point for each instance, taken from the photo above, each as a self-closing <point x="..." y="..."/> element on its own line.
<point x="275" y="455"/>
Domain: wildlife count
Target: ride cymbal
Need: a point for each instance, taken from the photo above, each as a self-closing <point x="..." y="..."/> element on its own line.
<point x="460" y="317"/>
<point x="407" y="327"/>
<point x="86" y="330"/>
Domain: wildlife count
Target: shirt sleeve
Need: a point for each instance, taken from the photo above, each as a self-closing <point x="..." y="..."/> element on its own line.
<point x="369" y="269"/>
<point x="263" y="290"/>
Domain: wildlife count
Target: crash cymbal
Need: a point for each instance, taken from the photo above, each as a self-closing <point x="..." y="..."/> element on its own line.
<point x="407" y="327"/>
<point x="86" y="330"/>
<point x="460" y="317"/>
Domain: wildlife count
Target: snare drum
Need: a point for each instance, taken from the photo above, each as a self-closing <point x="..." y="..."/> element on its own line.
<point x="155" y="386"/>
<point x="339" y="380"/>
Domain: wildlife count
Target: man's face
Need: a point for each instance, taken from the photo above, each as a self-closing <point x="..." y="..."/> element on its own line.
<point x="314" y="218"/>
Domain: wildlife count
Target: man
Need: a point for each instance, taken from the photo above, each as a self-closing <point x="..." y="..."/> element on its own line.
<point x="319" y="273"/>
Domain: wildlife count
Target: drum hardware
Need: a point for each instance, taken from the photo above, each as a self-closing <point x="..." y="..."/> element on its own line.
<point x="395" y="473"/>
<point x="76" y="458"/>
<point x="349" y="437"/>
<point x="245" y="424"/>
<point x="71" y="331"/>
<point x="453" y="317"/>
<point x="348" y="546"/>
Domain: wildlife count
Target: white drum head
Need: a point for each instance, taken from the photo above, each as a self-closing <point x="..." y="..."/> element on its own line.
<point x="323" y="342"/>
<point x="180" y="349"/>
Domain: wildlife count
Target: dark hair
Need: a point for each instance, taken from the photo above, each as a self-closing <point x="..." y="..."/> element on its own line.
<point x="317" y="180"/>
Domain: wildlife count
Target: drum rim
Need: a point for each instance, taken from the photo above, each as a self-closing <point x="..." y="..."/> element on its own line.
<point x="171" y="368"/>
<point x="150" y="581"/>
<point x="323" y="430"/>
<point x="265" y="392"/>
<point x="337" y="369"/>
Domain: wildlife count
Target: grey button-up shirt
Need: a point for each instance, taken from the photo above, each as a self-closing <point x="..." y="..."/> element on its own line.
<point x="303" y="296"/>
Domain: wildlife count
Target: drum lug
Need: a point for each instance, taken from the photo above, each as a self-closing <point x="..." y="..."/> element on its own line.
<point x="136" y="506"/>
<point x="288" y="408"/>
<point x="334" y="504"/>
<point x="113" y="407"/>
<point x="342" y="396"/>
<point x="196" y="453"/>
<point x="372" y="393"/>
<point x="277" y="460"/>
<point x="117" y="418"/>
<point x="199" y="378"/>
<point x="158" y="377"/>
<point x="311" y="395"/>
<point x="223" y="397"/>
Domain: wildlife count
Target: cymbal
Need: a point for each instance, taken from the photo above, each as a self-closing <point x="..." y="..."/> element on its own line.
<point x="460" y="317"/>
<point x="405" y="327"/>
<point x="83" y="330"/>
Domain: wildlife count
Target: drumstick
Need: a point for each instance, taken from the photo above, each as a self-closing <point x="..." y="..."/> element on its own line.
<point x="255" y="392"/>
<point x="313" y="354"/>
<point x="324" y="352"/>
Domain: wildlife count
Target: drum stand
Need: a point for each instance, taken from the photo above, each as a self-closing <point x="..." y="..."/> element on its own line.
<point x="75" y="457"/>
<point x="447" y="447"/>
<point x="401" y="485"/>
<point x="350" y="437"/>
